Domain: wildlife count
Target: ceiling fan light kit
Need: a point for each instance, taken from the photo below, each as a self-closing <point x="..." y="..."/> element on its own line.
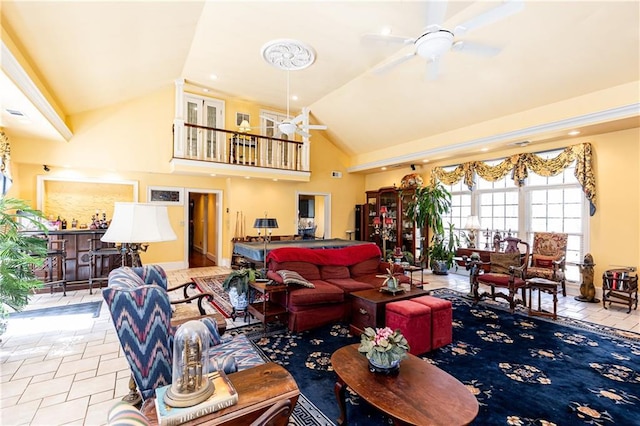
<point x="435" y="41"/>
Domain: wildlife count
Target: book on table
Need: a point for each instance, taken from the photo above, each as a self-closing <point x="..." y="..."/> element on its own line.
<point x="224" y="396"/>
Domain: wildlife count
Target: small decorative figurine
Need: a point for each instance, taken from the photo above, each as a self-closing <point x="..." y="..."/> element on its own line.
<point x="587" y="289"/>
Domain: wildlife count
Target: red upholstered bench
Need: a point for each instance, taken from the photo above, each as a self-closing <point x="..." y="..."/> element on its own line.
<point x="414" y="321"/>
<point x="441" y="319"/>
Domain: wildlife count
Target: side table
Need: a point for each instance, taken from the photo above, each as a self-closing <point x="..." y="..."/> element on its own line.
<point x="620" y="286"/>
<point x="411" y="269"/>
<point x="546" y="286"/>
<point x="266" y="310"/>
<point x="259" y="388"/>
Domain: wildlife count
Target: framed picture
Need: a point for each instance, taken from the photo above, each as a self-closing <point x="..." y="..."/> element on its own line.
<point x="240" y="117"/>
<point x="170" y="196"/>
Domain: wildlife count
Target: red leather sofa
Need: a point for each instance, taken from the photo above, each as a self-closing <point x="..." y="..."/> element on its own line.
<point x="334" y="274"/>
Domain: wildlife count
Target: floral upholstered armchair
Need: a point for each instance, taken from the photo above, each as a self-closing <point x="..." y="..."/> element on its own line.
<point x="548" y="257"/>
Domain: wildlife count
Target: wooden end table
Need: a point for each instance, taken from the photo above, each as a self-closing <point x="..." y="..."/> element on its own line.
<point x="421" y="393"/>
<point x="543" y="286"/>
<point x="413" y="268"/>
<point x="368" y="307"/>
<point x="258" y="389"/>
<point x="267" y="310"/>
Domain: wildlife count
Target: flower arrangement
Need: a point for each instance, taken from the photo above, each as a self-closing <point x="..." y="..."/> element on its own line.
<point x="391" y="281"/>
<point x="383" y="346"/>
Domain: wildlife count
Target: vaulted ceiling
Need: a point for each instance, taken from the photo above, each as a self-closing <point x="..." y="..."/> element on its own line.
<point x="92" y="54"/>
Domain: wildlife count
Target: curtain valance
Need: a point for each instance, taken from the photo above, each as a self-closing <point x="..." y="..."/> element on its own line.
<point x="519" y="166"/>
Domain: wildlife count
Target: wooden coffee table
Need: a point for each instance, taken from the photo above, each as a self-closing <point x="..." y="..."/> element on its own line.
<point x="421" y="393"/>
<point x="368" y="307"/>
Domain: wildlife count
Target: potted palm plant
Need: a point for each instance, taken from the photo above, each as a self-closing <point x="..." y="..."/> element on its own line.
<point x="443" y="250"/>
<point x="20" y="254"/>
<point x="427" y="206"/>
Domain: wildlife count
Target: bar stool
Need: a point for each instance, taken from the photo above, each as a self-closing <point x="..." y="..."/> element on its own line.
<point x="99" y="254"/>
<point x="56" y="265"/>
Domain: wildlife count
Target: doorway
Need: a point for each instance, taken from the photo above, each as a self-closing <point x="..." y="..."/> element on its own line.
<point x="203" y="218"/>
<point x="314" y="215"/>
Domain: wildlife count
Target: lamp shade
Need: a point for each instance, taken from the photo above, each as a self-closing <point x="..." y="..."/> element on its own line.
<point x="139" y="223"/>
<point x="472" y="223"/>
<point x="244" y="126"/>
<point x="265" y="223"/>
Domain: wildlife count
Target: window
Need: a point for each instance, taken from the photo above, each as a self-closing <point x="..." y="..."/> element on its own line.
<point x="544" y="204"/>
<point x="276" y="153"/>
<point x="204" y="144"/>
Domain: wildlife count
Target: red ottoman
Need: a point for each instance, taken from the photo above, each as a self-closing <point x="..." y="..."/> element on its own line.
<point x="441" y="318"/>
<point x="414" y="321"/>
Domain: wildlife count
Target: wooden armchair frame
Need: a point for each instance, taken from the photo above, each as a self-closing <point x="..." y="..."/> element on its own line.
<point x="512" y="281"/>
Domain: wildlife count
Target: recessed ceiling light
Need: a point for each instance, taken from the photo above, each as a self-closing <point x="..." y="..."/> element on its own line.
<point x="294" y="97"/>
<point x="385" y="31"/>
<point x="275" y="180"/>
<point x="383" y="168"/>
<point x="425" y="161"/>
<point x="212" y="174"/>
<point x="213" y="77"/>
<point x="484" y="149"/>
<point x="205" y="90"/>
<point x="574" y="132"/>
<point x="247" y="177"/>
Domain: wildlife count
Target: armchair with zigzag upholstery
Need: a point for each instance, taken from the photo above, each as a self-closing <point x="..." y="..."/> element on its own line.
<point x="141" y="312"/>
<point x="548" y="255"/>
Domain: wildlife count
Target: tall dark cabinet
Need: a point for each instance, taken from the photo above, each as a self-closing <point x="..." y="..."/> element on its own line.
<point x="403" y="232"/>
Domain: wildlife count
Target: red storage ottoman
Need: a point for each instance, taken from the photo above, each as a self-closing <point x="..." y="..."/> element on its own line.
<point x="414" y="321"/>
<point x="441" y="318"/>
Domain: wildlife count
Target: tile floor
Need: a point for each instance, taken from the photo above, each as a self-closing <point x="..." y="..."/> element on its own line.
<point x="70" y="370"/>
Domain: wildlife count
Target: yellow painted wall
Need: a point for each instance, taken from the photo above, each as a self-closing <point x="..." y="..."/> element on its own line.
<point x="133" y="141"/>
<point x="614" y="236"/>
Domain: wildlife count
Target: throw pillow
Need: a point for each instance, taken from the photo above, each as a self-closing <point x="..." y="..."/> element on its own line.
<point x="292" y="277"/>
<point x="500" y="262"/>
<point x="540" y="261"/>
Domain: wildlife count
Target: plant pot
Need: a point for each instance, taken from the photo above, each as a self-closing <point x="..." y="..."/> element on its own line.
<point x="388" y="370"/>
<point x="439" y="267"/>
<point x="238" y="301"/>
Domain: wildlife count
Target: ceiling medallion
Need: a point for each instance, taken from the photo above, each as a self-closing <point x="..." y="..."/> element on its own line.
<point x="288" y="54"/>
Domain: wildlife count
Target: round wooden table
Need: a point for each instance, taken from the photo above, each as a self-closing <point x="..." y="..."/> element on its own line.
<point x="421" y="393"/>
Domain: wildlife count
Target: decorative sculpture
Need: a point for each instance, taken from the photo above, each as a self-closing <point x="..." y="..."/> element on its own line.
<point x="587" y="289"/>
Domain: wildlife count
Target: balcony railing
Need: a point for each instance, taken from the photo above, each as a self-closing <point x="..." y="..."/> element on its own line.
<point x="209" y="144"/>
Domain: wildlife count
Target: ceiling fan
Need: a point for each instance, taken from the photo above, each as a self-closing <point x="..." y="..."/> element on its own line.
<point x="436" y="40"/>
<point x="299" y="124"/>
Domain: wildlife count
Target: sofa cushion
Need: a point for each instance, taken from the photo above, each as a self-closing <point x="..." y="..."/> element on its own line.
<point x="366" y="267"/>
<point x="306" y="269"/>
<point x="350" y="285"/>
<point x="334" y="271"/>
<point x="322" y="293"/>
<point x="294" y="278"/>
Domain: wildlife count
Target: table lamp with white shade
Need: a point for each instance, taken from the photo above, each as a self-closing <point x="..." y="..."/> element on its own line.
<point x="472" y="224"/>
<point x="135" y="225"/>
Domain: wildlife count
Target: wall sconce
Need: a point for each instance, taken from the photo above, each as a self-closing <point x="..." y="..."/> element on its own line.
<point x="189" y="382"/>
<point x="473" y="224"/>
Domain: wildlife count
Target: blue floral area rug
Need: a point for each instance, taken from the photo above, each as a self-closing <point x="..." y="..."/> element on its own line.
<point x="522" y="370"/>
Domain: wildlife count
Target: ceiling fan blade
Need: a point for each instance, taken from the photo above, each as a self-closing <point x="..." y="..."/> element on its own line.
<point x="316" y="127"/>
<point x="303" y="133"/>
<point x="297" y="119"/>
<point x="389" y="38"/>
<point x="386" y="67"/>
<point x="433" y="68"/>
<point x="435" y="15"/>
<point x="509" y="7"/>
<point x="475" y="48"/>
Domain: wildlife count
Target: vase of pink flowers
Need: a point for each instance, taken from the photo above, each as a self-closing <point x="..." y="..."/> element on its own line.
<point x="384" y="348"/>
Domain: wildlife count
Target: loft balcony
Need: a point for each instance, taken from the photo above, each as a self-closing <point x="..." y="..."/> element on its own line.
<point x="208" y="150"/>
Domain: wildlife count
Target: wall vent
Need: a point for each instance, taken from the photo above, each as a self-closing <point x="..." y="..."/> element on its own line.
<point x="335" y="174"/>
<point x="15" y="112"/>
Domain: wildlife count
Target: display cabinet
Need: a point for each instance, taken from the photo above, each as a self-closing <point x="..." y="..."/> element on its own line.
<point x="386" y="218"/>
